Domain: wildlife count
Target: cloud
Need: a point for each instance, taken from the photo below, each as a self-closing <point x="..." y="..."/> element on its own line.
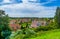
<point x="53" y="3"/>
<point x="6" y="1"/>
<point x="30" y="10"/>
<point x="49" y="1"/>
<point x="42" y="2"/>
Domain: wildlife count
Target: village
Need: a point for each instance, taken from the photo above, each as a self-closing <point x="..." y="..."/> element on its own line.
<point x="34" y="22"/>
<point x="29" y="19"/>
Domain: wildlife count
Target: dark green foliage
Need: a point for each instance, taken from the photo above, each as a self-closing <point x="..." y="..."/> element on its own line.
<point x="24" y="33"/>
<point x="29" y="33"/>
<point x="44" y="28"/>
<point x="57" y="17"/>
<point x="5" y="33"/>
<point x="25" y="30"/>
<point x="4" y="25"/>
<point x="25" y="24"/>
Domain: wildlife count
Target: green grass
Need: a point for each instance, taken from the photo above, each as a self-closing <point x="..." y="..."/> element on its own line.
<point x="53" y="34"/>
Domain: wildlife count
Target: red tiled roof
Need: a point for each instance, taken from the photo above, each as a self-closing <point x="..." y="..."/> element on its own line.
<point x="14" y="26"/>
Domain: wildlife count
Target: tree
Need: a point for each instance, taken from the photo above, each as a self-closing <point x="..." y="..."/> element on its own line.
<point x="57" y="17"/>
<point x="4" y="25"/>
<point x="25" y="25"/>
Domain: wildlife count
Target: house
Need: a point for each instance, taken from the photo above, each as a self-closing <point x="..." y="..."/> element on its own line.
<point x="35" y="22"/>
<point x="13" y="25"/>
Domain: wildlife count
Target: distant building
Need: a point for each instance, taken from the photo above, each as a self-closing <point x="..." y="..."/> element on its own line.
<point x="35" y="22"/>
<point x="13" y="25"/>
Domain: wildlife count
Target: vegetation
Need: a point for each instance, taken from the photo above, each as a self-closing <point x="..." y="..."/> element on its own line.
<point x="57" y="17"/>
<point x="41" y="32"/>
<point x="49" y="31"/>
<point x="52" y="34"/>
<point x="4" y="25"/>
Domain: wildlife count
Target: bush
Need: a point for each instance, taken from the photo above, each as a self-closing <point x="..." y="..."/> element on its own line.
<point x="44" y="28"/>
<point x="17" y="35"/>
<point x="29" y="33"/>
<point x="23" y="34"/>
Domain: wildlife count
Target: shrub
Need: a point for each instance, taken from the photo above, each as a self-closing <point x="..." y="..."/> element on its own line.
<point x="23" y="34"/>
<point x="44" y="28"/>
<point x="29" y="33"/>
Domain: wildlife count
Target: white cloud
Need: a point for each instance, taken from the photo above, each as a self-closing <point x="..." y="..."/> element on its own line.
<point x="6" y="1"/>
<point x="48" y="1"/>
<point x="14" y="10"/>
<point x="32" y="0"/>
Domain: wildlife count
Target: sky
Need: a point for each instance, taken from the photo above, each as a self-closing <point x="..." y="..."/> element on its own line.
<point x="29" y="8"/>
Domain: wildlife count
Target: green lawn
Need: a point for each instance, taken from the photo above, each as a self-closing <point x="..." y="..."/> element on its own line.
<point x="54" y="34"/>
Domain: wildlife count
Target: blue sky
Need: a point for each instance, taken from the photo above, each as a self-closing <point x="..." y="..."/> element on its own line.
<point x="29" y="8"/>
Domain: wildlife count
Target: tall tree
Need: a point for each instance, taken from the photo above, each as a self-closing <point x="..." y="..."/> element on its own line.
<point x="4" y="25"/>
<point x="57" y="17"/>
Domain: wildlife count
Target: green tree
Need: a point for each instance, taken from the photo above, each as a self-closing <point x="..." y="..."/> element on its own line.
<point x="57" y="17"/>
<point x="4" y="25"/>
